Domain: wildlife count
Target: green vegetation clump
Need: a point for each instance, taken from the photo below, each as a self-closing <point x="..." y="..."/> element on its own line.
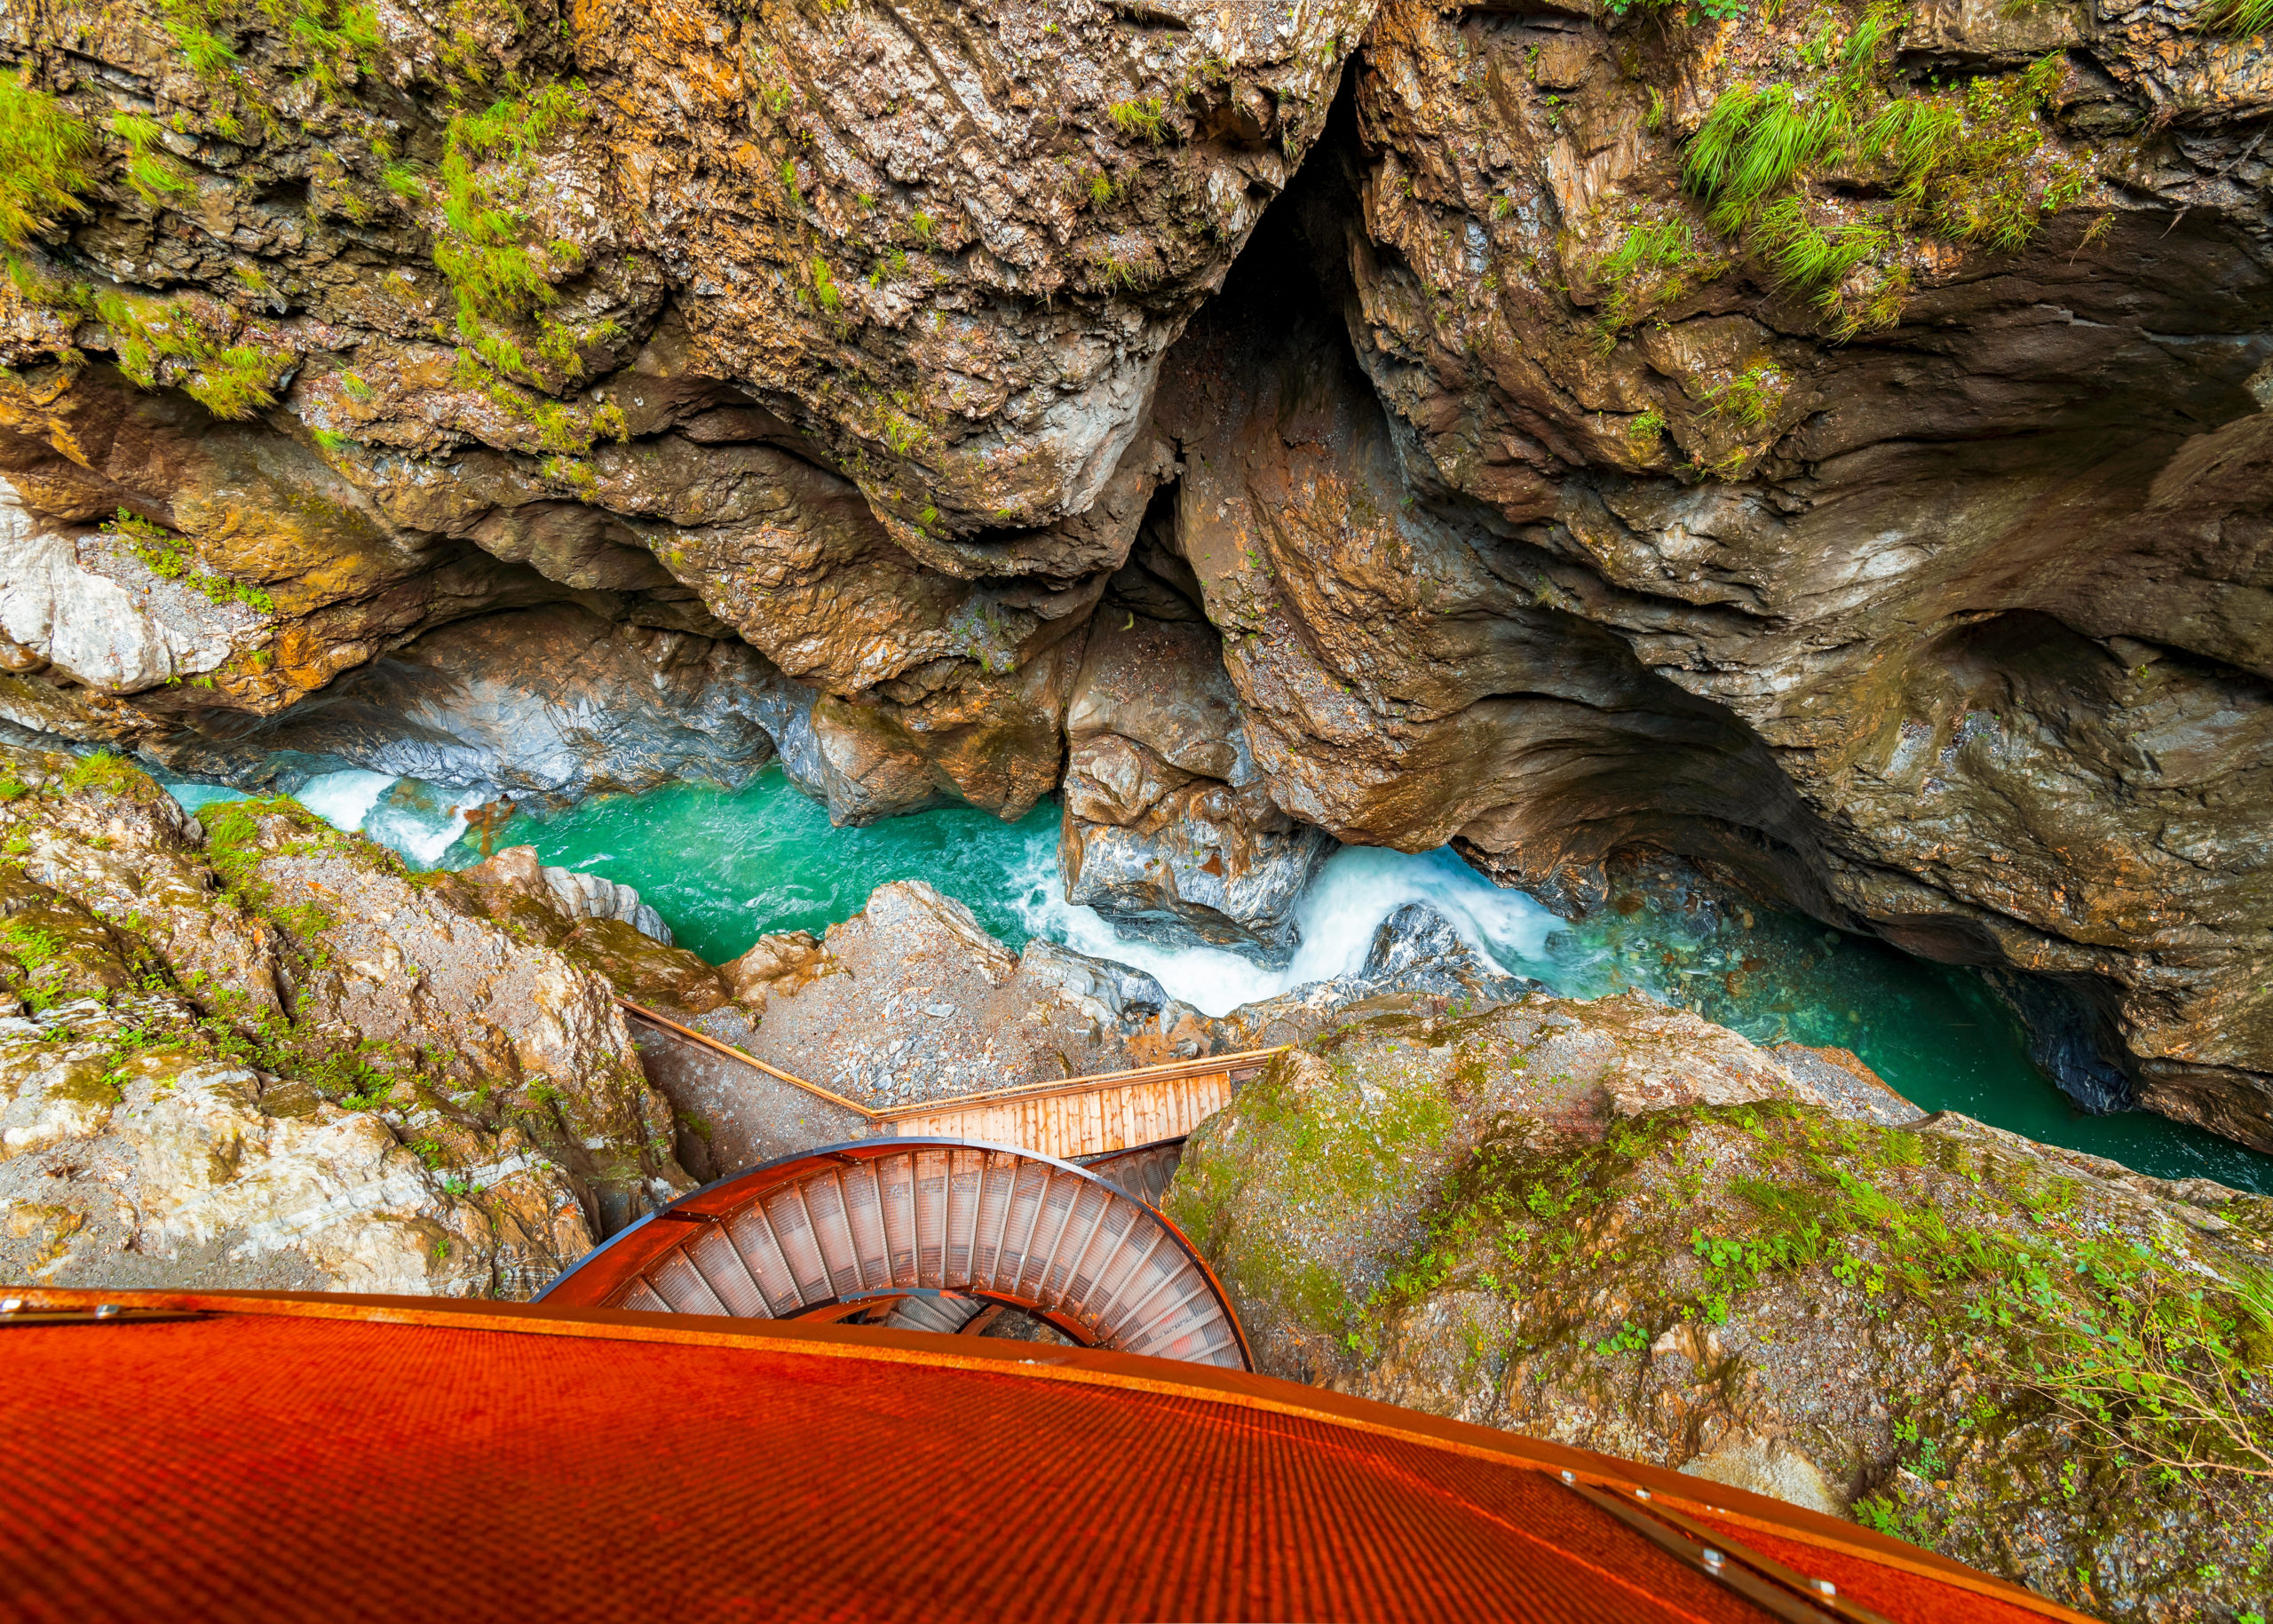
<point x="1142" y="115"/>
<point x="104" y="770"/>
<point x="501" y="276"/>
<point x="229" y="380"/>
<point x="45" y="160"/>
<point x="486" y="167"/>
<point x="1964" y="162"/>
<point x="1714" y="10"/>
<point x="1652" y="265"/>
<point x="2160" y="1363"/>
<point x="1752" y="395"/>
<point x="166" y="556"/>
<point x="154" y="176"/>
<point x="325" y="36"/>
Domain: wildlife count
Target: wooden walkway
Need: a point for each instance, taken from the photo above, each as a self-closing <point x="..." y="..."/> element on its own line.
<point x="1066" y="1119"/>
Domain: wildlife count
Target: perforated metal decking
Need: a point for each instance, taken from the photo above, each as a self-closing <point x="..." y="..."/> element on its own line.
<point x="856" y="1225"/>
<point x="267" y="1458"/>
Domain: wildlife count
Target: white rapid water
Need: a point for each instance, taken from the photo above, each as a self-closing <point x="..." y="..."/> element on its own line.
<point x="344" y="799"/>
<point x="1358" y="888"/>
<point x="415" y="826"/>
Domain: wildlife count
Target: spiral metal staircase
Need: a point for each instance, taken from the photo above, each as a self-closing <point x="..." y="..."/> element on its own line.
<point x="870" y="1227"/>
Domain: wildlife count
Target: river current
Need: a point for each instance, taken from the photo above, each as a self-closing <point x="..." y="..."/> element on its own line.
<point x="723" y="868"/>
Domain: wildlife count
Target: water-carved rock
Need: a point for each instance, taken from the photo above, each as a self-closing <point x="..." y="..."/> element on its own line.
<point x="1169" y="829"/>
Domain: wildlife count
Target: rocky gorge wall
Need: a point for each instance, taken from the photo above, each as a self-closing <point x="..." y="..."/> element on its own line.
<point x="1826" y="444"/>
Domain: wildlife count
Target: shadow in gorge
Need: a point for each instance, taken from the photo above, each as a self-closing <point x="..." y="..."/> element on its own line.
<point x="1410" y="671"/>
<point x="1417" y="671"/>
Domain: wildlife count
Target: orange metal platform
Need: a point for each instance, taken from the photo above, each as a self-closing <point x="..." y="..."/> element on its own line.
<point x="257" y="1457"/>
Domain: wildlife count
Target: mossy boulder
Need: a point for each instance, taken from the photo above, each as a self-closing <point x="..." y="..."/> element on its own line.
<point x="2026" y="1357"/>
<point x="270" y="1055"/>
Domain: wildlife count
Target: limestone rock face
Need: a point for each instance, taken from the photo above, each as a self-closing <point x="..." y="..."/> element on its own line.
<point x="547" y="706"/>
<point x="1973" y="576"/>
<point x="1169" y="829"/>
<point x="1892" y="542"/>
<point x="872" y="306"/>
<point x="271" y="1059"/>
<point x="1397" y="690"/>
<point x="1623" y="1229"/>
<point x="246" y="567"/>
<point x="952" y="246"/>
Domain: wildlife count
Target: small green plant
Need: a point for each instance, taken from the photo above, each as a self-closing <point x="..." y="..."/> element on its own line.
<point x="164" y="555"/>
<point x="1140" y="115"/>
<point x="155" y="177"/>
<point x="228" y="380"/>
<point x="45" y="157"/>
<point x="208" y="54"/>
<point x="483" y="248"/>
<point x="1645" y="432"/>
<point x="103" y="771"/>
<point x="1752" y="396"/>
<point x="1752" y="144"/>
<point x="1629" y="1338"/>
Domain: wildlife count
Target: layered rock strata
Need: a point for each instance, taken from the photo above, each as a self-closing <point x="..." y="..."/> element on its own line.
<point x="1879" y="519"/>
<point x="265" y="1056"/>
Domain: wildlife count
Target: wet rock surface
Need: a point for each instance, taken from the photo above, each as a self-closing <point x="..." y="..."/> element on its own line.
<point x="547" y="706"/>
<point x="1616" y="1226"/>
<point x="265" y="1056"/>
<point x="1548" y="497"/>
<point x="1169" y="830"/>
<point x="594" y="923"/>
<point x="1980" y="600"/>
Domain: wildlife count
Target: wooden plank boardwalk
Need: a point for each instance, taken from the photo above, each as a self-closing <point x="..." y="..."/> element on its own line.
<point x="1066" y="1119"/>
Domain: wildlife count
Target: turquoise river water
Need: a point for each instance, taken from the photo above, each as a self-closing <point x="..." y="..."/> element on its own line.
<point x="723" y="868"/>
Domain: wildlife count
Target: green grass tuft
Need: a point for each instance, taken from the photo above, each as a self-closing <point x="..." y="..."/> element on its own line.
<point x="45" y="158"/>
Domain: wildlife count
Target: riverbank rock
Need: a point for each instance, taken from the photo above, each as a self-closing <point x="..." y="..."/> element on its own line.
<point x="1614" y="1226"/>
<point x="268" y="1056"/>
<point x="909" y="1000"/>
<point x="1169" y="830"/>
<point x="594" y="923"/>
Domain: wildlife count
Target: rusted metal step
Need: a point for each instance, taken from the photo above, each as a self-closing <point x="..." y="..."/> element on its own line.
<point x="823" y="1234"/>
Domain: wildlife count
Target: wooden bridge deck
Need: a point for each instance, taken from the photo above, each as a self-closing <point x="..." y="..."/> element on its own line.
<point x="1067" y="1118"/>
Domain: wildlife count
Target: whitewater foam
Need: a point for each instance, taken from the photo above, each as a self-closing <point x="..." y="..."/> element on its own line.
<point x="414" y="826"/>
<point x="1358" y="888"/>
<point x="344" y="799"/>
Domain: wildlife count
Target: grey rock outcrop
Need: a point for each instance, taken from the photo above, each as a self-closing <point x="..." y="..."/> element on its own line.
<point x="1169" y="829"/>
<point x="1620" y="1227"/>
<point x="548" y="706"/>
<point x="589" y="895"/>
<point x="314" y="1074"/>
